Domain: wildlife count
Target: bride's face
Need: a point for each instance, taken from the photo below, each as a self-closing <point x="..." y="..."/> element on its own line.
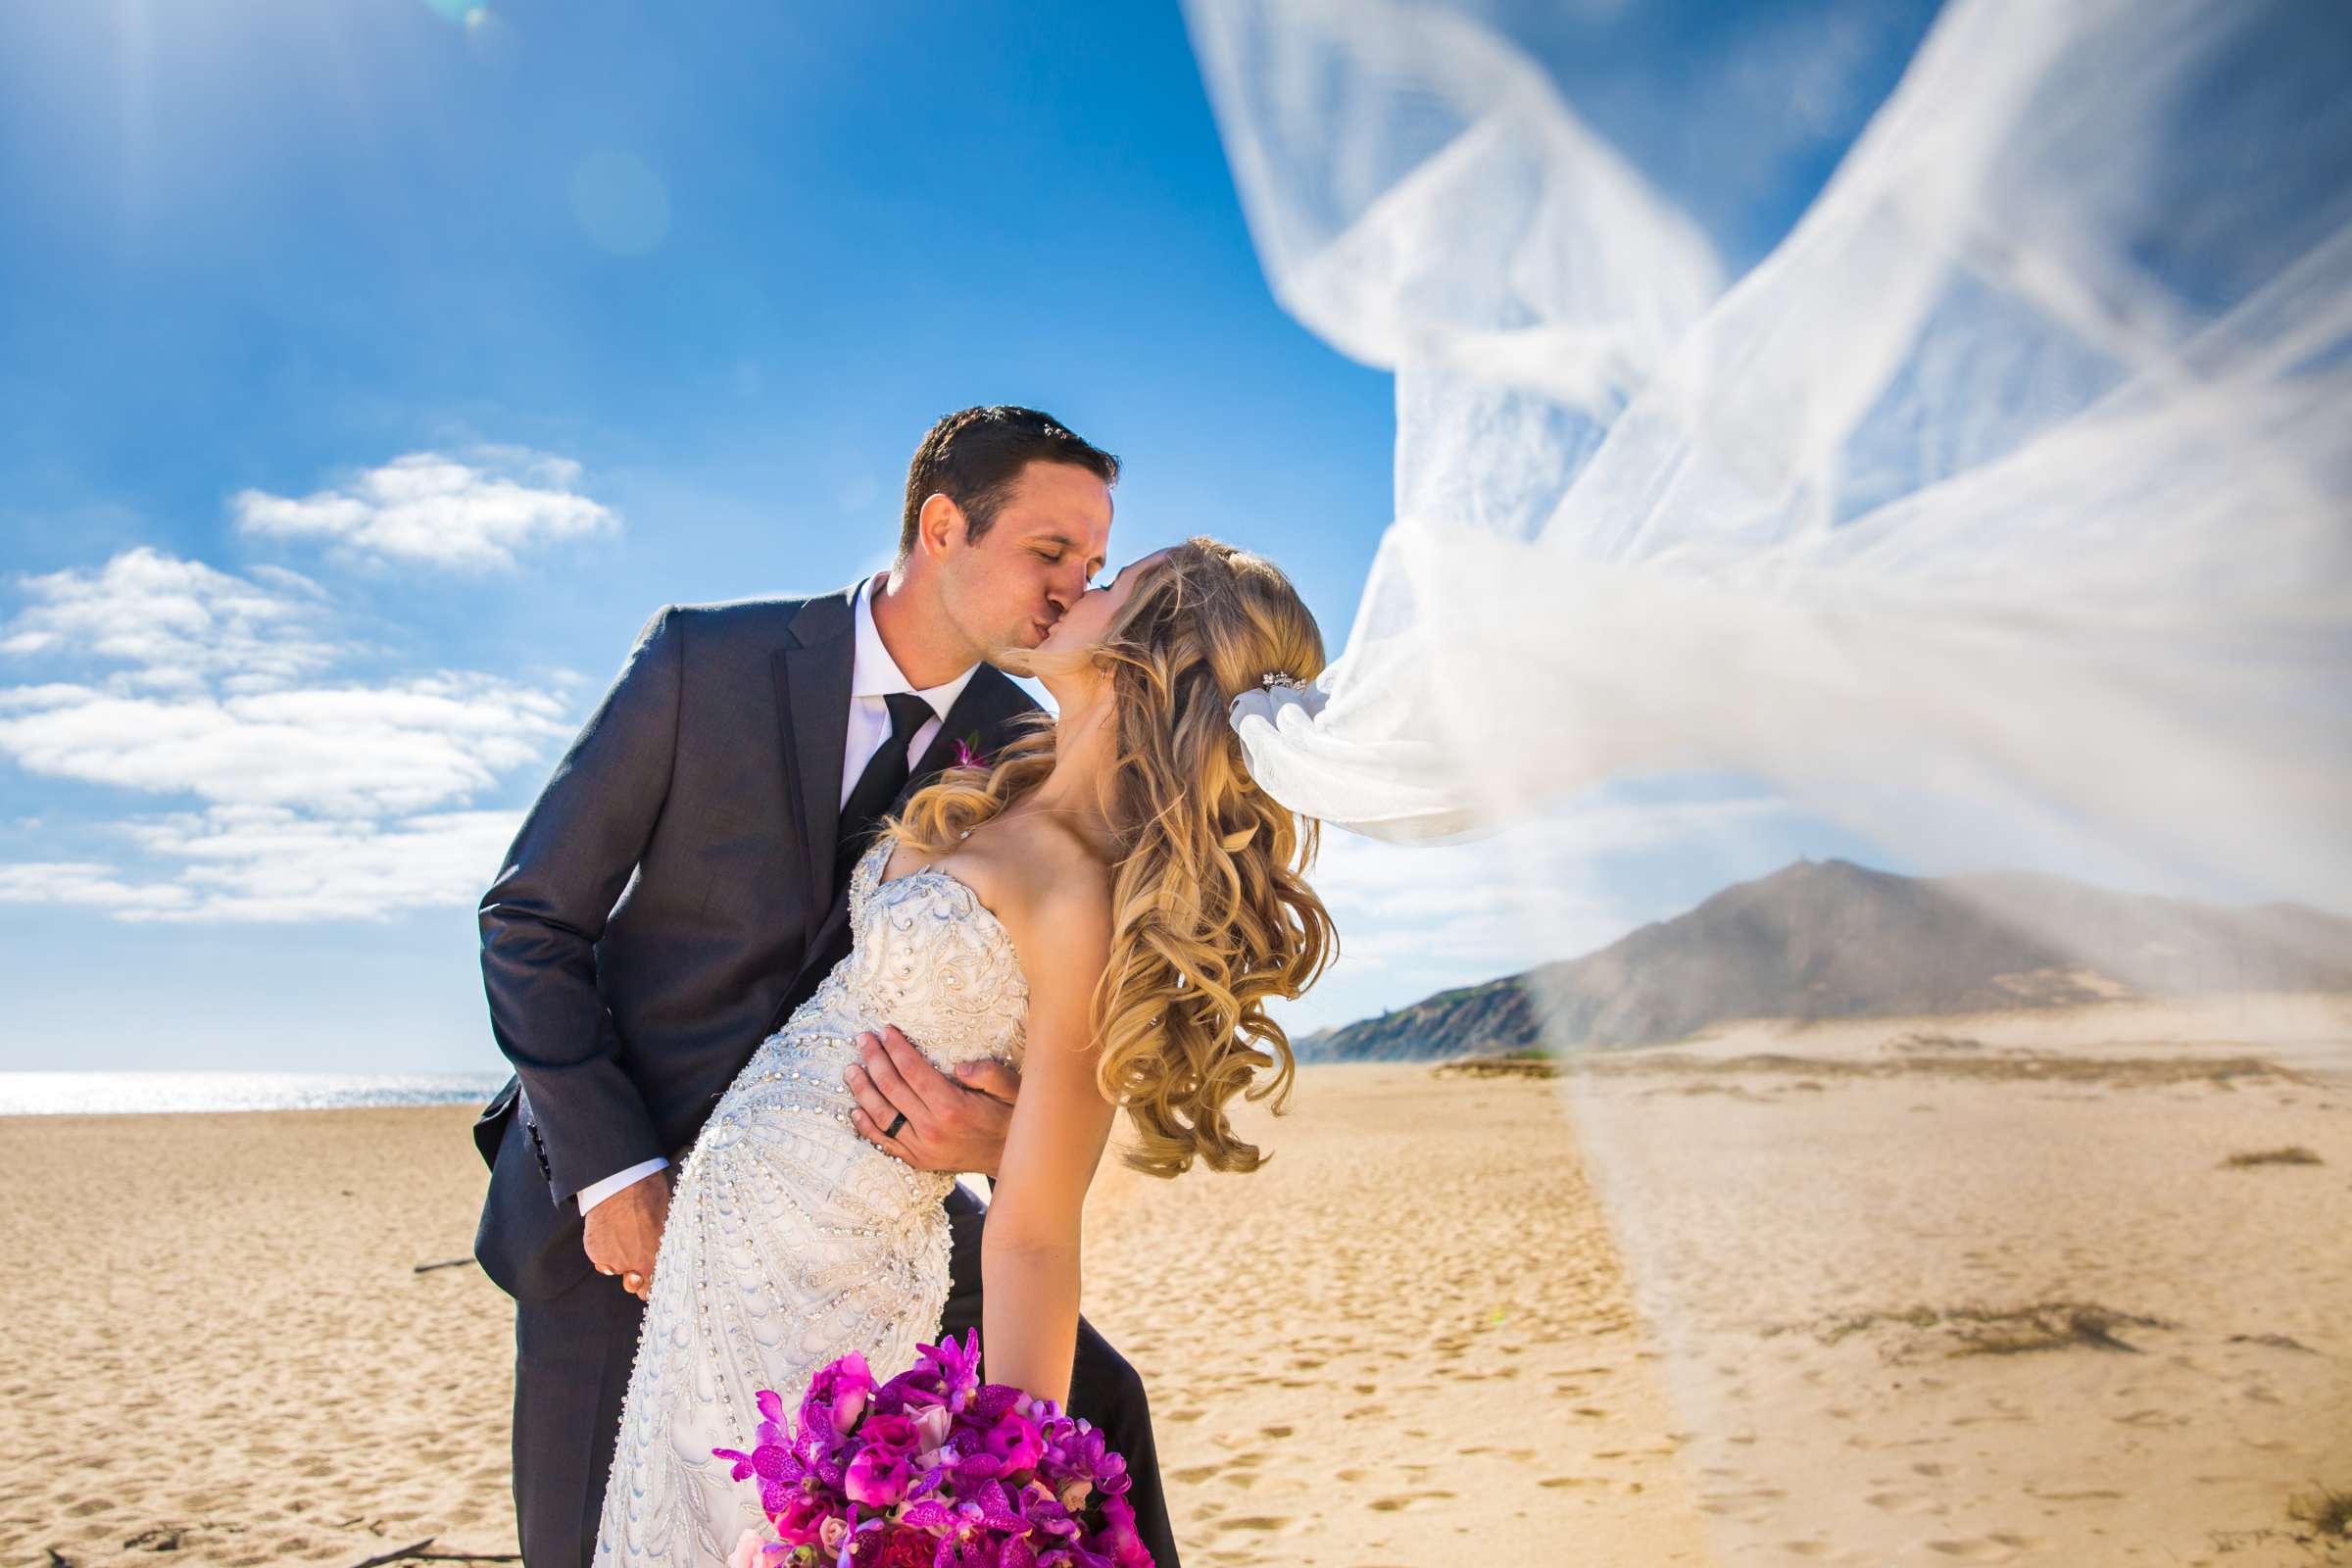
<point x="1091" y="616"/>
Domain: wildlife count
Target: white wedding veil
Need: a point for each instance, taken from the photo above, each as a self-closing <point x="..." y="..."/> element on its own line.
<point x="2008" y="485"/>
<point x="1942" y="423"/>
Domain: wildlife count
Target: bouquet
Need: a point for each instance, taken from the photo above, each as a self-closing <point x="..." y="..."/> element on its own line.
<point x="933" y="1469"/>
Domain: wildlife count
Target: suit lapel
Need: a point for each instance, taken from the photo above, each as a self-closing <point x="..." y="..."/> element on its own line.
<point x="988" y="704"/>
<point x="814" y="680"/>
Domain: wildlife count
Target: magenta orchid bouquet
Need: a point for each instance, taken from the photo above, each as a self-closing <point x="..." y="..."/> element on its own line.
<point x="933" y="1469"/>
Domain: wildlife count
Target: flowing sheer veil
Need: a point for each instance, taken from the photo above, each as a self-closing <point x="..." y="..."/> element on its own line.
<point x="2007" y="484"/>
<point x="1943" y="418"/>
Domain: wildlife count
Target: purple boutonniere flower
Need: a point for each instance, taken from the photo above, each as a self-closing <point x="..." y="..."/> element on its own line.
<point x="969" y="752"/>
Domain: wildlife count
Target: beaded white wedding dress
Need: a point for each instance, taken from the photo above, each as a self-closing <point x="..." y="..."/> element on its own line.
<point x="790" y="1240"/>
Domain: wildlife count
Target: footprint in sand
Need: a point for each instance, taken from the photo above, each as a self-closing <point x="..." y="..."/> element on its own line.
<point x="1260" y="1523"/>
<point x="1408" y="1501"/>
<point x="1747" y="1507"/>
<point x="1999" y="1546"/>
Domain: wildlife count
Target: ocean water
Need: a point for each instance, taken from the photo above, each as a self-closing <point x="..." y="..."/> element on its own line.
<point x="57" y="1094"/>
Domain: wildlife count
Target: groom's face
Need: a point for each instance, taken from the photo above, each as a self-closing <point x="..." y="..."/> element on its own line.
<point x="1008" y="589"/>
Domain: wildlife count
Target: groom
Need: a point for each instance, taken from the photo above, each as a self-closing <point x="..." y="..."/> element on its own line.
<point x="679" y="888"/>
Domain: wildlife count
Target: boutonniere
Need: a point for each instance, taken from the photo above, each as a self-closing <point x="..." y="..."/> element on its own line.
<point x="967" y="751"/>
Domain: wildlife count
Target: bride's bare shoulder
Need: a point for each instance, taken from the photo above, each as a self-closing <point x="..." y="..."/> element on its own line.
<point x="1046" y="882"/>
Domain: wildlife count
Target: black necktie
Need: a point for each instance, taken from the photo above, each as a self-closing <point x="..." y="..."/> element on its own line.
<point x="878" y="786"/>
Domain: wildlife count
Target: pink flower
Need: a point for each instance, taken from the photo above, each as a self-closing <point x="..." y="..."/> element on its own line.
<point x="895" y="1433"/>
<point x="1015" y="1444"/>
<point x="1118" y="1538"/>
<point x="802" y="1518"/>
<point x="967" y="751"/>
<point x="931" y="1424"/>
<point x="876" y="1478"/>
<point x="750" y="1551"/>
<point x="835" y="1397"/>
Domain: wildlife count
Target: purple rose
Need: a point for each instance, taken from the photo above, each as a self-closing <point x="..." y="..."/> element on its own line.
<point x="835" y="1397"/>
<point x="896" y="1433"/>
<point x="1118" y="1538"/>
<point x="1015" y="1444"/>
<point x="876" y="1478"/>
<point x="802" y="1518"/>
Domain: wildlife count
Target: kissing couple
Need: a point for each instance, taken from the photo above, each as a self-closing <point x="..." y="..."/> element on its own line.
<point x="820" y="910"/>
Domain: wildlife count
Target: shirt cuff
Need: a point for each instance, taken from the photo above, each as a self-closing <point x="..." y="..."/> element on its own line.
<point x="593" y="1195"/>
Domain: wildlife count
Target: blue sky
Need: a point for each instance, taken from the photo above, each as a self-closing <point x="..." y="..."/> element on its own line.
<point x="367" y="374"/>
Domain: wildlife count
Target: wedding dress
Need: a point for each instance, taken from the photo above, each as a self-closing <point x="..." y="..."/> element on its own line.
<point x="790" y="1240"/>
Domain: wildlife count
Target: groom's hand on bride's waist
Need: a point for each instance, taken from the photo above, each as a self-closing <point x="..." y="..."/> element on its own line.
<point x="949" y="1124"/>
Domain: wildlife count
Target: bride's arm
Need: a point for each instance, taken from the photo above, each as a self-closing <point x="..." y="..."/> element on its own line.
<point x="1029" y="1251"/>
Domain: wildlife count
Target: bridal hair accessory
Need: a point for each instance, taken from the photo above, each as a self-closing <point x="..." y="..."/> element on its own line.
<point x="931" y="1467"/>
<point x="1272" y="699"/>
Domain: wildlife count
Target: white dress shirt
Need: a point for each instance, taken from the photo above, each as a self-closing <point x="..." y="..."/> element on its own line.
<point x="874" y="677"/>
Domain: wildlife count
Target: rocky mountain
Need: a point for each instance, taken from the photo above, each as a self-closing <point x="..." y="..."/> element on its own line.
<point x="1833" y="940"/>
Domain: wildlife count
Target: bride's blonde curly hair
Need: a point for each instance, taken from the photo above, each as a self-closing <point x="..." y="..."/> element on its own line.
<point x="1210" y="911"/>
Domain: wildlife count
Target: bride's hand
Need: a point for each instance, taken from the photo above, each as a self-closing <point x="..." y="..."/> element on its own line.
<point x="952" y="1125"/>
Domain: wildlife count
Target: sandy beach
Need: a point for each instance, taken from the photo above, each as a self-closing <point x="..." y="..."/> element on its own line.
<point x="1911" y="1291"/>
<point x="1404" y="1342"/>
<point x="2059" y="1286"/>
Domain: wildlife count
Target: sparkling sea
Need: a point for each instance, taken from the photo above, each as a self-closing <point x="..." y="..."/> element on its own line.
<point x="55" y="1094"/>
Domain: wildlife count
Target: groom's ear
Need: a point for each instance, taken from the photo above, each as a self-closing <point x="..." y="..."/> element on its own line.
<point x="940" y="523"/>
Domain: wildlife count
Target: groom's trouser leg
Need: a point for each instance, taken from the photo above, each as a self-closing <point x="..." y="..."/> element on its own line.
<point x="1104" y="1388"/>
<point x="571" y="1372"/>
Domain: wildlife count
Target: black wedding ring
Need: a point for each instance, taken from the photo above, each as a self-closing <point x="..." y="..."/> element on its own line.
<point x="896" y="1122"/>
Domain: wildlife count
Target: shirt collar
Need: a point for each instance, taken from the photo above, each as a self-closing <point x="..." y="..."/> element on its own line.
<point x="876" y="674"/>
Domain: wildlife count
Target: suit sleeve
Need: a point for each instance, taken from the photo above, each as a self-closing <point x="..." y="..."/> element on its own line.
<point x="543" y="917"/>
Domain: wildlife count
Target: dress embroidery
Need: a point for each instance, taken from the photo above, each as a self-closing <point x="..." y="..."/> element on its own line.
<point x="790" y="1240"/>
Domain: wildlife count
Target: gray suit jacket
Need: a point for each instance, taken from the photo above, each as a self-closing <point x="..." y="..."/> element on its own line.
<point x="667" y="903"/>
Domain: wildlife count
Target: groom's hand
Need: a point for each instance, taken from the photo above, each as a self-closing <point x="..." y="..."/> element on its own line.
<point x="953" y="1124"/>
<point x="624" y="1233"/>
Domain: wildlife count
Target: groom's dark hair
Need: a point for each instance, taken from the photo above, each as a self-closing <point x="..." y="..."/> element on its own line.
<point x="973" y="458"/>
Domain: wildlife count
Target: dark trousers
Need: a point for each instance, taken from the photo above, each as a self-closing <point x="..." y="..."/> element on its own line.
<point x="572" y="1356"/>
<point x="571" y="1372"/>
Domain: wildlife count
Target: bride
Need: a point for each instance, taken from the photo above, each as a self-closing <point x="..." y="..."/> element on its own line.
<point x="1108" y="904"/>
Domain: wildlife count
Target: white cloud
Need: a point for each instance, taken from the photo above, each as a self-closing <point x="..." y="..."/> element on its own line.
<point x="174" y="620"/>
<point x="434" y="510"/>
<point x="319" y="798"/>
<point x="267" y="864"/>
<point x="345" y="751"/>
<point x="90" y="885"/>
